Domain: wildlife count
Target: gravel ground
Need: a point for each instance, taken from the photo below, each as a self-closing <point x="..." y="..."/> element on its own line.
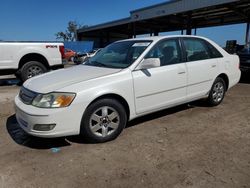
<point x="187" y="146"/>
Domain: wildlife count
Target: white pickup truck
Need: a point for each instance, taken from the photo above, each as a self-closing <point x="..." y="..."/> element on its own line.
<point x="28" y="59"/>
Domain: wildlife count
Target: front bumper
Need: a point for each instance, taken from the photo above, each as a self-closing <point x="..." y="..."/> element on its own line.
<point x="67" y="120"/>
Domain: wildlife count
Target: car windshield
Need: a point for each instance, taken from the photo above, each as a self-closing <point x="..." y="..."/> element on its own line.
<point x="93" y="51"/>
<point x="119" y="54"/>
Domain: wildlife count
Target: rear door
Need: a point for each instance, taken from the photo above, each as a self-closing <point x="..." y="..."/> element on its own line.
<point x="8" y="51"/>
<point x="202" y="67"/>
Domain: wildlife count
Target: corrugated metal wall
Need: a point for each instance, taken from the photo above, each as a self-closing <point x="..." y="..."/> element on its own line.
<point x="174" y="7"/>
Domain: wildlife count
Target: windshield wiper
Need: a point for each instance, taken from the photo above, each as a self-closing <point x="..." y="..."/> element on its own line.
<point x="97" y="63"/>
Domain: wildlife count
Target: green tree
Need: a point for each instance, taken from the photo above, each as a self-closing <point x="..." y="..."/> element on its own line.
<point x="70" y="33"/>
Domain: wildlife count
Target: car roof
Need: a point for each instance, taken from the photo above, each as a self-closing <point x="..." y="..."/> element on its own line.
<point x="157" y="38"/>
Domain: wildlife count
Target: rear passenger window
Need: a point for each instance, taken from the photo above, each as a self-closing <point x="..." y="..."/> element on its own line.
<point x="196" y="50"/>
<point x="214" y="53"/>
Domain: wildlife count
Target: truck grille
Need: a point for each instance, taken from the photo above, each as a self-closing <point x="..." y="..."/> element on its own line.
<point x="26" y="95"/>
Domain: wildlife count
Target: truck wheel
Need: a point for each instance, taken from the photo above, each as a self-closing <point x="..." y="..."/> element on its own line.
<point x="103" y="120"/>
<point x="31" y="69"/>
<point x="18" y="76"/>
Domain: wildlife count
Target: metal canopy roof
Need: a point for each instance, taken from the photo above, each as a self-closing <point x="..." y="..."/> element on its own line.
<point x="171" y="16"/>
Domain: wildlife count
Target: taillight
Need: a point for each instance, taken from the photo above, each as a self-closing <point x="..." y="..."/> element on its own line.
<point x="61" y="49"/>
<point x="238" y="62"/>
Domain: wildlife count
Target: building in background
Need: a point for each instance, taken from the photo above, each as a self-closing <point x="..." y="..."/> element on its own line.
<point x="177" y="15"/>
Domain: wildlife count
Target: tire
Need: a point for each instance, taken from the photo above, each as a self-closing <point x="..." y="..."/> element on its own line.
<point x="103" y="121"/>
<point x="217" y="92"/>
<point x="18" y="76"/>
<point x="71" y="59"/>
<point x="77" y="60"/>
<point x="31" y="69"/>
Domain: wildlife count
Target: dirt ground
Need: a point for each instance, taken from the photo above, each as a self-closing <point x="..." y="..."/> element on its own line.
<point x="187" y="146"/>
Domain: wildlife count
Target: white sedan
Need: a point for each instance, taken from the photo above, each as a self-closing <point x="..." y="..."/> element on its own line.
<point x="125" y="80"/>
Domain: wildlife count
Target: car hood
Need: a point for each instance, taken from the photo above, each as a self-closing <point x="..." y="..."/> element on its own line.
<point x="59" y="79"/>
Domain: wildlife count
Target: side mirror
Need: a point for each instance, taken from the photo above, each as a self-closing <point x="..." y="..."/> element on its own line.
<point x="149" y="63"/>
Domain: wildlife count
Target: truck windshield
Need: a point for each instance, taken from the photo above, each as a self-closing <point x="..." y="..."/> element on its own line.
<point x="119" y="54"/>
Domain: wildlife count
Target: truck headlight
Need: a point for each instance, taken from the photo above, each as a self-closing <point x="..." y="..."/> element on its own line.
<point x="53" y="100"/>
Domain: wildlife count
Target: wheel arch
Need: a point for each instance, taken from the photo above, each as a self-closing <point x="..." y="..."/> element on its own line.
<point x="33" y="57"/>
<point x="225" y="78"/>
<point x="117" y="97"/>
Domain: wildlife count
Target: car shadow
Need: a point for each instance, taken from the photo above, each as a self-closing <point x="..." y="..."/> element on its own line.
<point x="22" y="138"/>
<point x="162" y="113"/>
<point x="245" y="78"/>
<point x="10" y="81"/>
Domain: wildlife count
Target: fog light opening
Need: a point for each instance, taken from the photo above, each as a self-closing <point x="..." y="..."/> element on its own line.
<point x="44" y="127"/>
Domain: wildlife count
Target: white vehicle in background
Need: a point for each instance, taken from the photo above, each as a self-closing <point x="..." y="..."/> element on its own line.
<point x="28" y="59"/>
<point x="125" y="80"/>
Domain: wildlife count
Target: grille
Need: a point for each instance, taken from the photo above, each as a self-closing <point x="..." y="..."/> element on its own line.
<point x="26" y="95"/>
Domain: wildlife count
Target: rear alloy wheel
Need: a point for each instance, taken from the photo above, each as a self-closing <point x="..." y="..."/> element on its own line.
<point x="103" y="120"/>
<point x="31" y="69"/>
<point x="217" y="92"/>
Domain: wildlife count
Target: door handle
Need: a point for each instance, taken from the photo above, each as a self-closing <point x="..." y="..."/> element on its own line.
<point x="213" y="66"/>
<point x="182" y="72"/>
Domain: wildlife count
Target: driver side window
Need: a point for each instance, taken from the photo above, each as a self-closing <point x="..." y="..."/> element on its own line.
<point x="167" y="51"/>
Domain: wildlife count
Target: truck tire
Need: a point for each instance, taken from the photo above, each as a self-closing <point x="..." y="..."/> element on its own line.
<point x="31" y="69"/>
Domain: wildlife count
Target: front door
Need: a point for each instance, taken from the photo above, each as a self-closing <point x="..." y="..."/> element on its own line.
<point x="163" y="86"/>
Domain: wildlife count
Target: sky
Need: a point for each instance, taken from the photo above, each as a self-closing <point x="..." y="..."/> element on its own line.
<point x="39" y="20"/>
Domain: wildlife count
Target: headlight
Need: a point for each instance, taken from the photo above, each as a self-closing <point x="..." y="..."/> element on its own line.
<point x="53" y="100"/>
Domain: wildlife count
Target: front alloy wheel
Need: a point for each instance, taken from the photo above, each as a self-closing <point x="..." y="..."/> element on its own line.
<point x="103" y="120"/>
